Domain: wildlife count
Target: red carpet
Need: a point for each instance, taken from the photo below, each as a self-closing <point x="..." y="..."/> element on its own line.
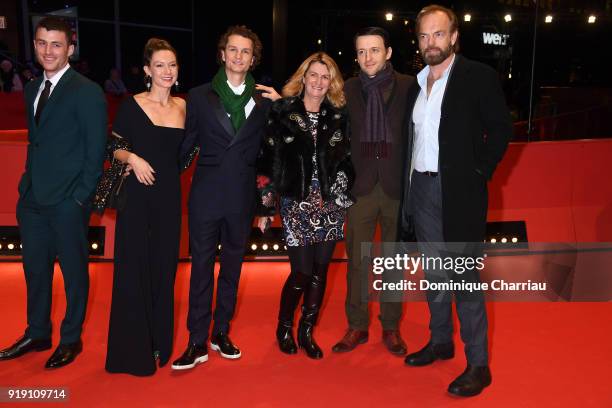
<point x="542" y="355"/>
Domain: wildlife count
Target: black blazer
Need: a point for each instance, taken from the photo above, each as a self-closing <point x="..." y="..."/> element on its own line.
<point x="66" y="149"/>
<point x="475" y="128"/>
<point x="224" y="180"/>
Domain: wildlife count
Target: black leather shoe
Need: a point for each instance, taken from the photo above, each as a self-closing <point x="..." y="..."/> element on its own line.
<point x="284" y="336"/>
<point x="351" y="339"/>
<point x="471" y="382"/>
<point x="24" y="345"/>
<point x="431" y="353"/>
<point x="194" y="354"/>
<point x="221" y="342"/>
<point x="64" y="354"/>
<point x="394" y="343"/>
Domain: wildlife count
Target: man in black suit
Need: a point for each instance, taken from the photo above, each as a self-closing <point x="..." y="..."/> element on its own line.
<point x="459" y="130"/>
<point x="67" y="134"/>
<point x="226" y="119"/>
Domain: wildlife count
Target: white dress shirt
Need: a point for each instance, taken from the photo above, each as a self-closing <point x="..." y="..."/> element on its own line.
<point x="426" y="119"/>
<point x="238" y="90"/>
<point x="54" y="80"/>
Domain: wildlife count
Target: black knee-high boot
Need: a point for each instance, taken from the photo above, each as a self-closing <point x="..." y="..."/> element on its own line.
<point x="290" y="297"/>
<point x="313" y="297"/>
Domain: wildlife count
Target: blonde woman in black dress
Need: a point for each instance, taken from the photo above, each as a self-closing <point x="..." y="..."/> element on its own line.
<point x="147" y="233"/>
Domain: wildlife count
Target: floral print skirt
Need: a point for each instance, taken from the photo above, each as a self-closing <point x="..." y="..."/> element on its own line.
<point x="312" y="220"/>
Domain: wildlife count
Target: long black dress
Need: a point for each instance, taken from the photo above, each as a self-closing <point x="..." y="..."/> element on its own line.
<point x="147" y="238"/>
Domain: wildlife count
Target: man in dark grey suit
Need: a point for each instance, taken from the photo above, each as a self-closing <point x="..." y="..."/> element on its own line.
<point x="67" y="134"/>
<point x="459" y="130"/>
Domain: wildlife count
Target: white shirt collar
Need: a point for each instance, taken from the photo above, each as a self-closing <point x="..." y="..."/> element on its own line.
<point x="238" y="90"/>
<point x="422" y="75"/>
<point x="56" y="78"/>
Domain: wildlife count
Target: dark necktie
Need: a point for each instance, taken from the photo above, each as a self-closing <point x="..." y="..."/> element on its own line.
<point x="42" y="101"/>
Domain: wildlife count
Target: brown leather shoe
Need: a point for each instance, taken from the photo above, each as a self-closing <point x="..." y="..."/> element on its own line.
<point x="394" y="343"/>
<point x="351" y="339"/>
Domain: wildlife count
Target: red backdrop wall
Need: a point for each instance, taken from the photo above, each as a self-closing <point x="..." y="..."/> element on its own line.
<point x="560" y="189"/>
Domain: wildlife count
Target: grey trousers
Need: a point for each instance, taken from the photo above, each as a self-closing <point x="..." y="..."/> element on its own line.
<point x="426" y="199"/>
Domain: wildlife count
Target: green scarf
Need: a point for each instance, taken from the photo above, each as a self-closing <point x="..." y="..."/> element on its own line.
<point x="233" y="104"/>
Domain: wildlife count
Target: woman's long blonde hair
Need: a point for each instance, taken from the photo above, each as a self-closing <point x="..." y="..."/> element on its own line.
<point x="335" y="93"/>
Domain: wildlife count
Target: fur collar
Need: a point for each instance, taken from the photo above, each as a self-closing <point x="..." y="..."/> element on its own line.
<point x="291" y="114"/>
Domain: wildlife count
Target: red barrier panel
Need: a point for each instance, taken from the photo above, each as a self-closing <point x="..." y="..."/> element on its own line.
<point x="560" y="189"/>
<point x="12" y="111"/>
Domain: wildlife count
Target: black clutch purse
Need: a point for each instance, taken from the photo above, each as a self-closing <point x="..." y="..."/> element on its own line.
<point x="110" y="192"/>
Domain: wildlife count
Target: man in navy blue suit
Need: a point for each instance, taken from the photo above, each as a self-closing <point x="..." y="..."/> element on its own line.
<point x="226" y="119"/>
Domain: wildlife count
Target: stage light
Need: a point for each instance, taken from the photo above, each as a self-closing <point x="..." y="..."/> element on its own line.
<point x="405" y="22"/>
<point x="389" y="16"/>
<point x="417" y="51"/>
<point x="219" y="247"/>
<point x="506" y="234"/>
<point x="548" y="19"/>
<point x="467" y="18"/>
<point x="276" y="247"/>
<point x="254" y="247"/>
<point x="264" y="247"/>
<point x="508" y="18"/>
<point x="510" y="75"/>
<point x="319" y="41"/>
<point x="592" y="19"/>
<point x="339" y="52"/>
<point x="285" y="247"/>
<point x="412" y="41"/>
<point x="11" y="244"/>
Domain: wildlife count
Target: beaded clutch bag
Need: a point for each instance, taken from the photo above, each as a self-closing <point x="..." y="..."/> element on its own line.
<point x="110" y="192"/>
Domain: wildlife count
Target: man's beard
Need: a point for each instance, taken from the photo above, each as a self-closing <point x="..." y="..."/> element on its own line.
<point x="438" y="58"/>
